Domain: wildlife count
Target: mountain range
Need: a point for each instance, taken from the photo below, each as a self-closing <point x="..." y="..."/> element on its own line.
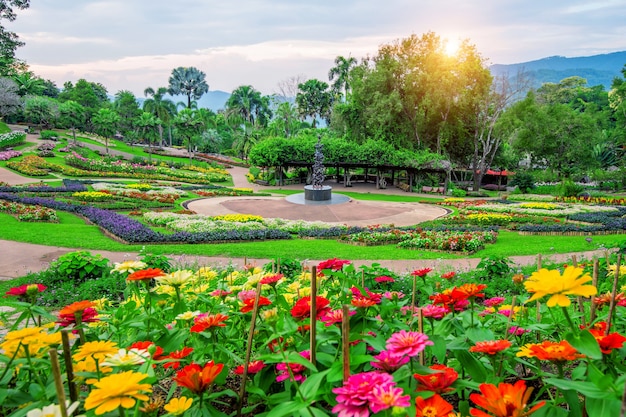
<point x="596" y="69"/>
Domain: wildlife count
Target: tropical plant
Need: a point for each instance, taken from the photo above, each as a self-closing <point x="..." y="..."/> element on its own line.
<point x="161" y="107"/>
<point x="72" y="114"/>
<point x="314" y="100"/>
<point x="40" y="110"/>
<point x="149" y="126"/>
<point x="188" y="125"/>
<point x="106" y="122"/>
<point x="188" y="81"/>
<point x="339" y="73"/>
<point x="28" y="84"/>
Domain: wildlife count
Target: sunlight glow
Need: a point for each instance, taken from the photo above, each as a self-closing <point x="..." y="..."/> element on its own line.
<point x="451" y="46"/>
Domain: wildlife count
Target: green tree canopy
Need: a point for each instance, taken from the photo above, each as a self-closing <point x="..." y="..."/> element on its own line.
<point x="188" y="81"/>
<point x="314" y="100"/>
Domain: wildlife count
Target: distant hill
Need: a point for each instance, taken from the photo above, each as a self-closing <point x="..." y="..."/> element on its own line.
<point x="596" y="69"/>
<point x="214" y="100"/>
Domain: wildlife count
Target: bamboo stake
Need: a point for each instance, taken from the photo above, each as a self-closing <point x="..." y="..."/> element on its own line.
<point x="313" y="321"/>
<point x="613" y="295"/>
<point x="58" y="384"/>
<point x="581" y="306"/>
<point x="69" y="367"/>
<point x="420" y="328"/>
<point x="278" y="267"/>
<point x="345" y="341"/>
<point x="538" y="304"/>
<point x="596" y="266"/>
<point x="414" y="290"/>
<point x="244" y="376"/>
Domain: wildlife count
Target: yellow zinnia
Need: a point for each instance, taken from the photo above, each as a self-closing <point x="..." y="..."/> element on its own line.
<point x="118" y="390"/>
<point x="178" y="406"/>
<point x="551" y="282"/>
<point x="97" y="350"/>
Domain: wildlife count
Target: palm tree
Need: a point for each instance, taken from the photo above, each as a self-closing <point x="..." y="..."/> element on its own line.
<point x="340" y="73"/>
<point x="28" y="84"/>
<point x="161" y="107"/>
<point x="188" y="125"/>
<point x="189" y="81"/>
<point x="149" y="124"/>
<point x="106" y="122"/>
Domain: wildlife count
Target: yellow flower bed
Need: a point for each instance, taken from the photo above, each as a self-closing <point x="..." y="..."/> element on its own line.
<point x="489" y="218"/>
<point x="541" y="205"/>
<point x="454" y="200"/>
<point x="140" y="186"/>
<point x="243" y="190"/>
<point x="238" y="218"/>
<point x="92" y="196"/>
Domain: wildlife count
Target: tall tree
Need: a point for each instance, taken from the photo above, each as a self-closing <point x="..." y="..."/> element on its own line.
<point x="339" y="73"/>
<point x="314" y="99"/>
<point x="148" y="125"/>
<point x="188" y="81"/>
<point x="188" y="125"/>
<point x="106" y="123"/>
<point x="127" y="107"/>
<point x="9" y="41"/>
<point x="10" y="101"/>
<point x="28" y="84"/>
<point x="253" y="107"/>
<point x="40" y="110"/>
<point x="161" y="107"/>
<point x="92" y="96"/>
<point x="72" y="114"/>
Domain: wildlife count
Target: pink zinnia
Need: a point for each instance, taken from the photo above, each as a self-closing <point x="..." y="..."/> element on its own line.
<point x="296" y="369"/>
<point x="271" y="279"/>
<point x="354" y="397"/>
<point x="407" y="343"/>
<point x="493" y="302"/>
<point x="518" y="331"/>
<point x="388" y="396"/>
<point x="334" y="317"/>
<point x="220" y="293"/>
<point x="393" y="295"/>
<point x="246" y="295"/>
<point x="386" y="361"/>
<point x="431" y="311"/>
<point x="375" y="297"/>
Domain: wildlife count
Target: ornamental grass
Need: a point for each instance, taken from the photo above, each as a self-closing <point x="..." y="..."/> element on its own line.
<point x="332" y="340"/>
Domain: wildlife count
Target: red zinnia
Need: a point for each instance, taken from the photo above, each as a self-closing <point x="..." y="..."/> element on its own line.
<point x="469" y="290"/>
<point x="384" y="278"/>
<point x="80" y="310"/>
<point x="421" y="272"/>
<point x="438" y="382"/>
<point x="196" y="378"/>
<point x="178" y="354"/>
<point x="25" y="289"/>
<point x="271" y="279"/>
<point x="248" y="304"/>
<point x="491" y="347"/>
<point x="145" y="274"/>
<point x="253" y="367"/>
<point x="607" y="342"/>
<point x="302" y="308"/>
<point x="332" y="264"/>
<point x="145" y="345"/>
<point x="206" y="322"/>
<point x="375" y="297"/>
<point x="448" y="275"/>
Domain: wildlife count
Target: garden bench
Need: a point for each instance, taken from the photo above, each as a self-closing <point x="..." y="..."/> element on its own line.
<point x="436" y="190"/>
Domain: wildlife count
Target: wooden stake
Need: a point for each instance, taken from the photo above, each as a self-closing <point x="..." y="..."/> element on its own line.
<point x="420" y="328"/>
<point x="313" y="321"/>
<point x="596" y="266"/>
<point x="345" y="341"/>
<point x="69" y="367"/>
<point x="414" y="290"/>
<point x="58" y="384"/>
<point x="613" y="294"/>
<point x="363" y="278"/>
<point x="278" y="267"/>
<point x="581" y="306"/>
<point x="244" y="376"/>
<point x="538" y="304"/>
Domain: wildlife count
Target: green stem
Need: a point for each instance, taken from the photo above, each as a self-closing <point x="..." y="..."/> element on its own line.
<point x="569" y="319"/>
<point x="32" y="368"/>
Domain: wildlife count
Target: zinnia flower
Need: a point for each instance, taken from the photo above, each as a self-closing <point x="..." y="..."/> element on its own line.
<point x="126" y="358"/>
<point x="505" y="400"/>
<point x="206" y="322"/>
<point x="296" y="369"/>
<point x="128" y="267"/>
<point x="493" y="302"/>
<point x="356" y="394"/>
<point x="334" y="317"/>
<point x="550" y="351"/>
<point x="448" y="275"/>
<point x="97" y="350"/>
<point x="302" y="308"/>
<point x="384" y="278"/>
<point x="332" y="264"/>
<point x="253" y="367"/>
<point x="117" y="390"/>
<point x="469" y="290"/>
<point x="178" y="354"/>
<point x="271" y="279"/>
<point x="80" y="311"/>
<point x="176" y="278"/>
<point x="421" y="272"/>
<point x="178" y="406"/>
<point x="558" y="287"/>
<point x="145" y="274"/>
<point x="434" y="406"/>
<point x="388" y="362"/>
<point x="248" y="304"/>
<point x="387" y="396"/>
<point x="607" y="342"/>
<point x="53" y="410"/>
<point x="439" y="381"/>
<point x="196" y="378"/>
<point x="148" y="346"/>
<point x="432" y="311"/>
<point x="490" y="347"/>
<point x="26" y="289"/>
<point x="407" y="343"/>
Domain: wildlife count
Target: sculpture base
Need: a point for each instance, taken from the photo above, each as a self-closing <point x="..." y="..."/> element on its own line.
<point x="317" y="194"/>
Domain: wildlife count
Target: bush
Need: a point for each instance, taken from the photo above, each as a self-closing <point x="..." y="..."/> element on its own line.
<point x="570" y="189"/>
<point x="49" y="135"/>
<point x="457" y="192"/>
<point x="77" y="267"/>
<point x="524" y="181"/>
<point x="11" y="139"/>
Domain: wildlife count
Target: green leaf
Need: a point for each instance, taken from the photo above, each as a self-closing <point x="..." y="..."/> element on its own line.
<point x="479" y="335"/>
<point x="285" y="409"/>
<point x="310" y="386"/>
<point x="472" y="365"/>
<point x="603" y="407"/>
<point x="439" y="348"/>
<point x="588" y="389"/>
<point x="585" y="343"/>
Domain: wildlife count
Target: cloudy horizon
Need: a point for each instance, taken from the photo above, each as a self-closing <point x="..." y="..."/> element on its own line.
<point x="131" y="45"/>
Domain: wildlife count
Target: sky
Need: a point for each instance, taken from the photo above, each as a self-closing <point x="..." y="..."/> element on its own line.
<point x="134" y="44"/>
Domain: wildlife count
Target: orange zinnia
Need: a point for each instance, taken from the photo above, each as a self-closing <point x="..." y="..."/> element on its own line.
<point x="196" y="378"/>
<point x="550" y="351"/>
<point x="77" y="307"/>
<point x="145" y="274"/>
<point x="434" y="406"/>
<point x="490" y="347"/>
<point x="206" y="322"/>
<point x="438" y="382"/>
<point x="469" y="290"/>
<point x="607" y="342"/>
<point x="248" y="304"/>
<point x="505" y="400"/>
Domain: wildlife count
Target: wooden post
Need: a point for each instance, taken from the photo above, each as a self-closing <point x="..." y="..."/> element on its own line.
<point x="538" y="304"/>
<point x="58" y="384"/>
<point x="581" y="306"/>
<point x="313" y="321"/>
<point x="420" y="328"/>
<point x="69" y="367"/>
<point x="345" y="341"/>
<point x="592" y="313"/>
<point x="613" y="294"/>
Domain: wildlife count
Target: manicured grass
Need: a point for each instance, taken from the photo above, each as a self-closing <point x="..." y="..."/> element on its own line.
<point x="74" y="233"/>
<point x="392" y="198"/>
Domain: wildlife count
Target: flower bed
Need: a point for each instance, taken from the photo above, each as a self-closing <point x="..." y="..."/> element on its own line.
<point x="11" y="139"/>
<point x="448" y="241"/>
<point x="29" y="213"/>
<point x="226" y="342"/>
<point x="6" y="155"/>
<point x="565" y="210"/>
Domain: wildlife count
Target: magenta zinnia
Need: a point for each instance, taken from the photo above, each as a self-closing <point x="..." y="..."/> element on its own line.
<point x="407" y="343"/>
<point x="357" y="395"/>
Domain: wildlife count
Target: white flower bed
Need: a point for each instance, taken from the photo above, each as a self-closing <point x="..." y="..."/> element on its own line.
<point x="567" y="209"/>
<point x="121" y="189"/>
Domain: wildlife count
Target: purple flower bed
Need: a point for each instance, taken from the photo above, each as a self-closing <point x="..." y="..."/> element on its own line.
<point x="6" y="155"/>
<point x="69" y="186"/>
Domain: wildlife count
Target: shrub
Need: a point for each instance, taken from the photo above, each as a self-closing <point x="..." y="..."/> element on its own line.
<point x="494" y="266"/>
<point x="49" y="135"/>
<point x="524" y="182"/>
<point x="78" y="267"/>
<point x="570" y="189"/>
<point x="11" y="139"/>
<point x="457" y="192"/>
